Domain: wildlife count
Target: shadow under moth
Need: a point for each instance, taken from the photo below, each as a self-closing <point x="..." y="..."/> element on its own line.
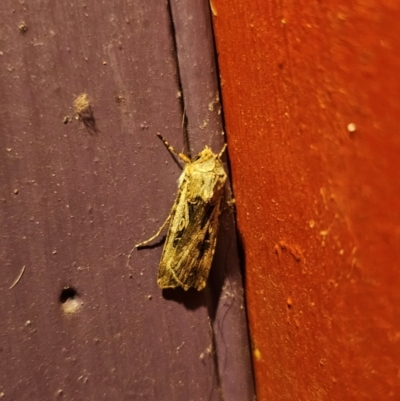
<point x="193" y="221"/>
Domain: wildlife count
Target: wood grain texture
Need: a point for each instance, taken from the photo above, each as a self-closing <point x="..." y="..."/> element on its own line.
<point x="310" y="95"/>
<point x="85" y="322"/>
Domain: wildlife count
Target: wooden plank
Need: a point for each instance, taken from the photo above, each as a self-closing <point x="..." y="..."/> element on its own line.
<point x="85" y="321"/>
<point x="195" y="50"/>
<point x="310" y="93"/>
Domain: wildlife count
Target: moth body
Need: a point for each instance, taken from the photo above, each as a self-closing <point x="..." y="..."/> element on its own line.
<point x="194" y="221"/>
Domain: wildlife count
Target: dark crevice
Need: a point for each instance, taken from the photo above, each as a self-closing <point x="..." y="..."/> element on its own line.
<point x="216" y="362"/>
<point x="186" y="141"/>
<point x="240" y="243"/>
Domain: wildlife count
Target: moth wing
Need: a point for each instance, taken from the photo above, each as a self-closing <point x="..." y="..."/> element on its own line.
<point x="190" y="245"/>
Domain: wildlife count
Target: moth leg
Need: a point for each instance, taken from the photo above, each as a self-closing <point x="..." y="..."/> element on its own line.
<point x="222" y="151"/>
<point x="155" y="235"/>
<point x="181" y="156"/>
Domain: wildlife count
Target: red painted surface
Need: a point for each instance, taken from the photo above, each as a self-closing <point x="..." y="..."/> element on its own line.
<point x="311" y="102"/>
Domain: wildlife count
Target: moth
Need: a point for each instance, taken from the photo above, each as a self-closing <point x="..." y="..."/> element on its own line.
<point x="193" y="221"/>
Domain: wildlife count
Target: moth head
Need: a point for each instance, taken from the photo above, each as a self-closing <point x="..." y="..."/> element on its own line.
<point x="208" y="162"/>
<point x="205" y="154"/>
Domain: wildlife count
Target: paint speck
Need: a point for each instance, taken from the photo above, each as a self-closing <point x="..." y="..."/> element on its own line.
<point x="311" y="223"/>
<point x="213" y="9"/>
<point x="23" y="27"/>
<point x="257" y="354"/>
<point x="351" y="127"/>
<point x="81" y="103"/>
<point x="83" y="109"/>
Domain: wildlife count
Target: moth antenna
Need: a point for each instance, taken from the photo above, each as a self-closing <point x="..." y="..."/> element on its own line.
<point x="181" y="156"/>
<point x="222" y="151"/>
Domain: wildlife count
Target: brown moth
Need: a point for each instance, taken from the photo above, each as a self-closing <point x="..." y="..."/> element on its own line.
<point x="194" y="221"/>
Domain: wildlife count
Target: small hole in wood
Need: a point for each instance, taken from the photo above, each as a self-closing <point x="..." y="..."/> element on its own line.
<point x="70" y="302"/>
<point x="67" y="294"/>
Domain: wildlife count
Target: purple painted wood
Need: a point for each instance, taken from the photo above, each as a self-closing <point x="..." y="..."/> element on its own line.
<point x="84" y="321"/>
<point x="198" y="73"/>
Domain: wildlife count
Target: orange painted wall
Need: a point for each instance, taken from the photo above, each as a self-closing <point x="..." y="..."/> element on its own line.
<point x="311" y="95"/>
